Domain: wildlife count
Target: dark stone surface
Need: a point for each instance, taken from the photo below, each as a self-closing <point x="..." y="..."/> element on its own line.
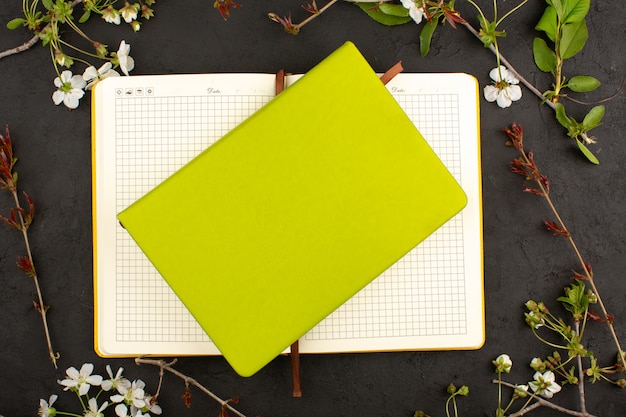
<point x="522" y="261"/>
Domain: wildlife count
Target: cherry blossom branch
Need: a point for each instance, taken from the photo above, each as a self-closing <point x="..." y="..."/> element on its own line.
<point x="31" y="42"/>
<point x="21" y="219"/>
<point x="312" y="8"/>
<point x="529" y="168"/>
<point x="167" y="366"/>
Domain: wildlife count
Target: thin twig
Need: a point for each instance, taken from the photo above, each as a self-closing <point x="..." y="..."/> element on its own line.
<point x="543" y="402"/>
<point x="18" y="49"/>
<point x="8" y="181"/>
<point x="41" y="308"/>
<point x="31" y="42"/>
<point x="167" y="366"/>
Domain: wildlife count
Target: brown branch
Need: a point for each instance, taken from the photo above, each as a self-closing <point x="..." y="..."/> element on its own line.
<point x="543" y="402"/>
<point x="167" y="366"/>
<point x="31" y="42"/>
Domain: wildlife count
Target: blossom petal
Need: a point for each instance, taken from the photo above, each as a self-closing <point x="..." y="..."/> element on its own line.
<point x="58" y="97"/>
<point x="491" y="93"/>
<point x="514" y="92"/>
<point x="503" y="99"/>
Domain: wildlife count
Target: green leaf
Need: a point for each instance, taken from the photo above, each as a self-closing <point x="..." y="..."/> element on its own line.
<point x="565" y="121"/>
<point x="548" y="23"/>
<point x="545" y="58"/>
<point x="393" y="9"/>
<point x="593" y="118"/>
<point x="573" y="39"/>
<point x="16" y="23"/>
<point x="583" y="83"/>
<point x="383" y="18"/>
<point x="48" y="4"/>
<point x="558" y="7"/>
<point x="588" y="154"/>
<point x="426" y="36"/>
<point x="575" y="10"/>
<point x="85" y="16"/>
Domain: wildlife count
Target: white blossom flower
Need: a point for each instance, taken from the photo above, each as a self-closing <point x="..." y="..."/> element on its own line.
<point x="130" y="399"/>
<point x="94" y="411"/>
<point x="45" y="407"/>
<point x="152" y="406"/>
<point x="503" y="363"/>
<point x="111" y="15"/>
<point x="114" y="381"/>
<point x="537" y="364"/>
<point x="125" y="61"/>
<point x="129" y="12"/>
<point x="505" y="89"/>
<point x="81" y="380"/>
<point x="535" y="319"/>
<point x="93" y="75"/>
<point x="520" y="391"/>
<point x="416" y="13"/>
<point x="544" y="384"/>
<point x="70" y="90"/>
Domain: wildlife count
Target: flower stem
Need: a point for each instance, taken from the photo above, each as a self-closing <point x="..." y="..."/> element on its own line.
<point x="581" y="375"/>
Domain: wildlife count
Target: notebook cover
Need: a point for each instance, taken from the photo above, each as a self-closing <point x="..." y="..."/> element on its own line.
<point x="295" y="210"/>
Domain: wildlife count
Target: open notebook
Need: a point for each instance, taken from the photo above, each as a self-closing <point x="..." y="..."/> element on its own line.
<point x="147" y="128"/>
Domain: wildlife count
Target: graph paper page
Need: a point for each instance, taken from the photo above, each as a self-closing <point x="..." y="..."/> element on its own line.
<point x="147" y="127"/>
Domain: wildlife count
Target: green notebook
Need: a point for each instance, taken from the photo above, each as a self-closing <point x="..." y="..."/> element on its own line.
<point x="295" y="210"/>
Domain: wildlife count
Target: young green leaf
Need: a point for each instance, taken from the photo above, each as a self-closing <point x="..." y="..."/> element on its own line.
<point x="426" y="36"/>
<point x="85" y="16"/>
<point x="386" y="19"/>
<point x="16" y="23"/>
<point x="548" y="23"/>
<point x="574" y="37"/>
<point x="545" y="58"/>
<point x="48" y="4"/>
<point x="393" y="9"/>
<point x="565" y="121"/>
<point x="583" y="83"/>
<point x="575" y="10"/>
<point x="588" y="154"/>
<point x="593" y="118"/>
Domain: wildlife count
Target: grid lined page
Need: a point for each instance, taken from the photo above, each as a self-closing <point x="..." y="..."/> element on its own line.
<point x="155" y="137"/>
<point x="423" y="294"/>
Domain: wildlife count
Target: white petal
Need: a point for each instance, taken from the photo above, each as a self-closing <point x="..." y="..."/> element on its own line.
<point x="120" y="410"/>
<point x="503" y="99"/>
<point x="84" y="388"/>
<point x="105" y="67"/>
<point x="494" y="74"/>
<point x="58" y="97"/>
<point x="65" y="77"/>
<point x="416" y="14"/>
<point x="90" y="73"/>
<point x="93" y="379"/>
<point x="514" y="92"/>
<point x="78" y="82"/>
<point x="71" y="372"/>
<point x="87" y="368"/>
<point x="491" y="93"/>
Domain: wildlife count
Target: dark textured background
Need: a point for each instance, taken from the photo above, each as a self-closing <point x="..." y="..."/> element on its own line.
<point x="522" y="261"/>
